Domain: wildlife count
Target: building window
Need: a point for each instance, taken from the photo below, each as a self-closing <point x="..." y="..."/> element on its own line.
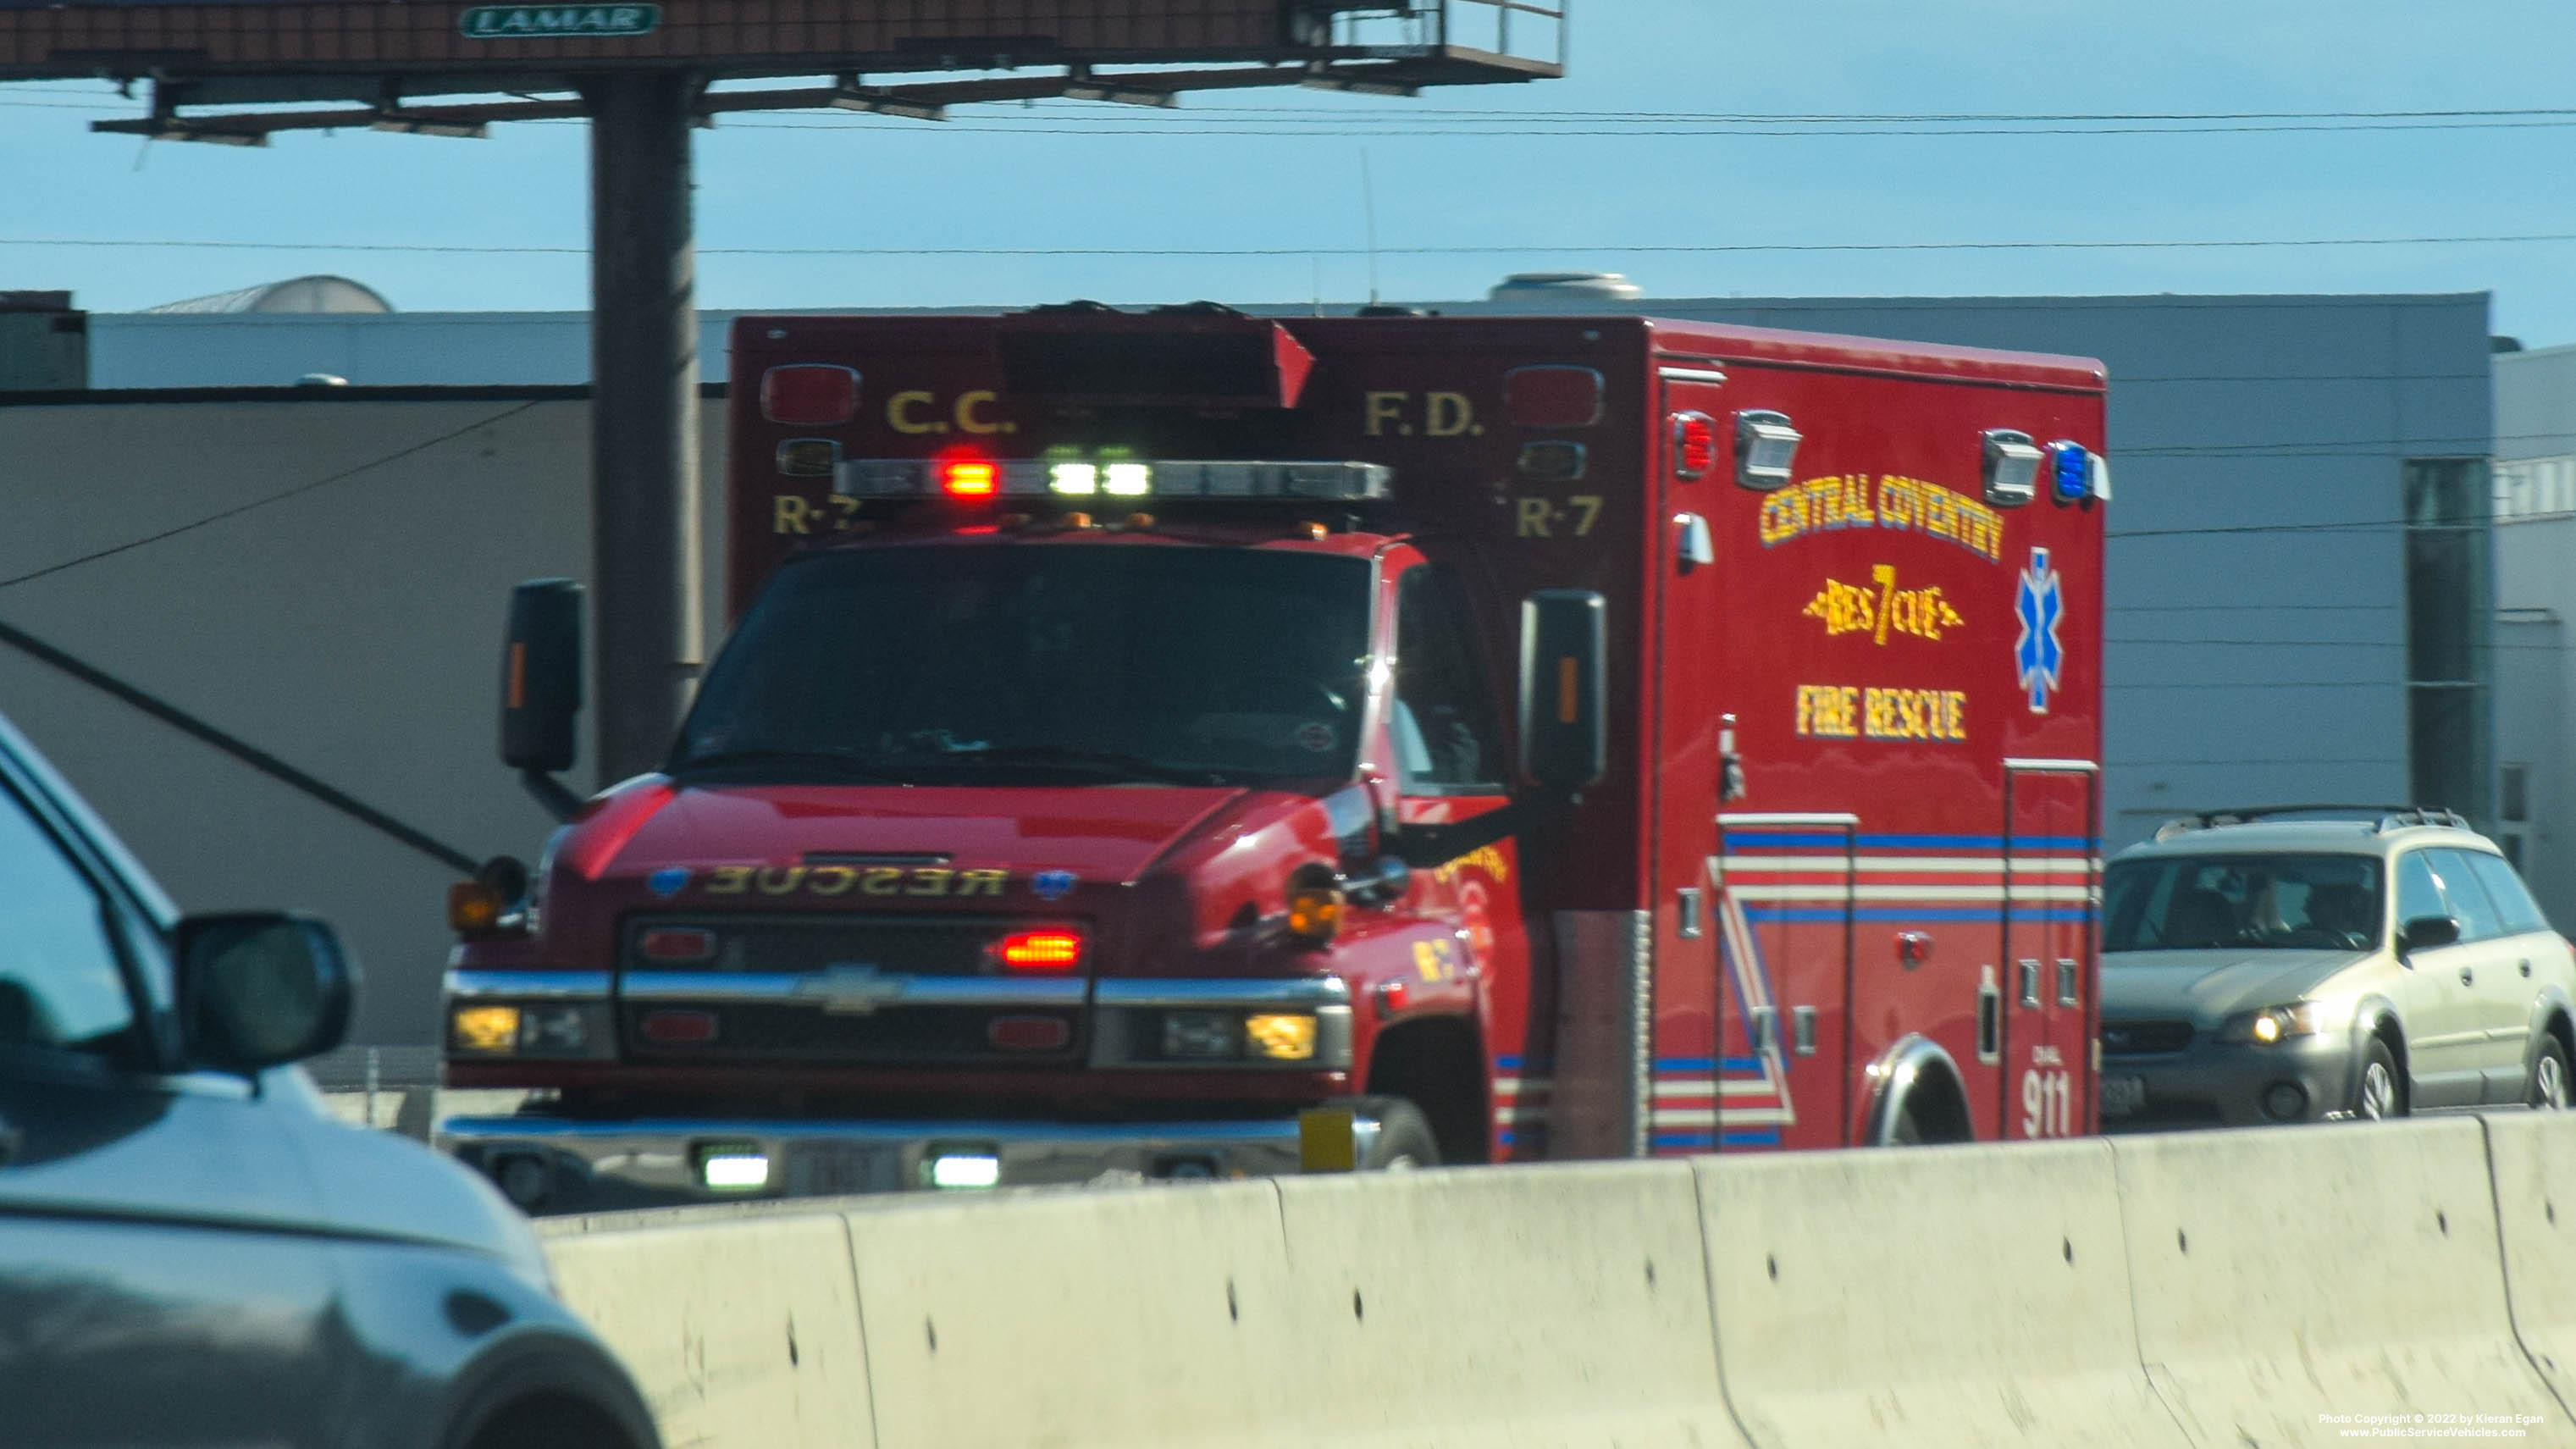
<point x="2513" y="810"/>
<point x="2535" y="487"/>
<point x="2449" y="604"/>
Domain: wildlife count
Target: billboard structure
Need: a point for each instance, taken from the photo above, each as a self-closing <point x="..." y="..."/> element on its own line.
<point x="644" y="72"/>
<point x="381" y="54"/>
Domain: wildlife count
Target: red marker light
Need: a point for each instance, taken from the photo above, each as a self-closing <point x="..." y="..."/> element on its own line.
<point x="1028" y="1033"/>
<point x="1056" y="950"/>
<point x="809" y="394"/>
<point x="969" y="478"/>
<point x="1552" y="396"/>
<point x="678" y="1028"/>
<point x="676" y="943"/>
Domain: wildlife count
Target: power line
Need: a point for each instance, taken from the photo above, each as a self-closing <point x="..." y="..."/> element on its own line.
<point x="1122" y="127"/>
<point x="1692" y="248"/>
<point x="1278" y="121"/>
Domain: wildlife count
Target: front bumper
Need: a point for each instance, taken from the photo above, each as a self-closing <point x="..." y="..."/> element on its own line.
<point x="558" y="1165"/>
<point x="2214" y="1084"/>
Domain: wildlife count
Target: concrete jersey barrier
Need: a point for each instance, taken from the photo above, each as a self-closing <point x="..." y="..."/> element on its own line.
<point x="2222" y="1290"/>
<point x="2533" y="1156"/>
<point x="738" y="1332"/>
<point x="1970" y="1296"/>
<point x="2291" y="1283"/>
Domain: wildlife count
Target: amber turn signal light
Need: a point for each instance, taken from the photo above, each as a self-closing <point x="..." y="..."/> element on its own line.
<point x="1315" y="913"/>
<point x="474" y="907"/>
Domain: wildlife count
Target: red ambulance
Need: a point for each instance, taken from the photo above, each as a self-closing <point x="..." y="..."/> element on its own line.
<point x="1183" y="743"/>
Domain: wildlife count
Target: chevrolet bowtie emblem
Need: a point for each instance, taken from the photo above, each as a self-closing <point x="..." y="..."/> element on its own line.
<point x="851" y="990"/>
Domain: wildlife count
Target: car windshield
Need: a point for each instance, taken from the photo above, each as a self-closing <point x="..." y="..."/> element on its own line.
<point x="2230" y="902"/>
<point x="1019" y="663"/>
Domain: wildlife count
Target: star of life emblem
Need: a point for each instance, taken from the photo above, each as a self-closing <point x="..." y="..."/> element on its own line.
<point x="2040" y="605"/>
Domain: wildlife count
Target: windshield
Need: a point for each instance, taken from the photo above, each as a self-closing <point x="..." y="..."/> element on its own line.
<point x="2229" y="902"/>
<point x="1061" y="663"/>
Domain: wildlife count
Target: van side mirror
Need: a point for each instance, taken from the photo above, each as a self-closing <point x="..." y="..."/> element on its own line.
<point x="541" y="687"/>
<point x="259" y="989"/>
<point x="1564" y="737"/>
<point x="2426" y="932"/>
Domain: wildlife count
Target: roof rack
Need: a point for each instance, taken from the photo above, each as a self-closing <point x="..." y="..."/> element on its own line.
<point x="2423" y="815"/>
<point x="2382" y="818"/>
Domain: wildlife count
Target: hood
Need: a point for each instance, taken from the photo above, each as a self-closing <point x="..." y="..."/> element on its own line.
<point x="2210" y="986"/>
<point x="1100" y="833"/>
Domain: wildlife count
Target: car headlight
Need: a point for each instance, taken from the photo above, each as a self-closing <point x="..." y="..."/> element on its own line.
<point x="2275" y="1024"/>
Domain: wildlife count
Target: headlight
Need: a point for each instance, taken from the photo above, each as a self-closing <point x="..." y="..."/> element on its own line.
<point x="534" y="1030"/>
<point x="2276" y="1024"/>
<point x="1261" y="1036"/>
<point x="484" y="1028"/>
<point x="1281" y="1036"/>
<point x="1200" y="1034"/>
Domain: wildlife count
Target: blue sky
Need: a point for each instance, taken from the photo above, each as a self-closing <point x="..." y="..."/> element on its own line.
<point x="1003" y="177"/>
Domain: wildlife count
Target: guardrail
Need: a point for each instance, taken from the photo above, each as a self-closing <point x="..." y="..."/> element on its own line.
<point x="2264" y="1288"/>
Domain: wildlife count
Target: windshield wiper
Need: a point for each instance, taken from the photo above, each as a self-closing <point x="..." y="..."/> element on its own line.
<point x="839" y="765"/>
<point x="1105" y="761"/>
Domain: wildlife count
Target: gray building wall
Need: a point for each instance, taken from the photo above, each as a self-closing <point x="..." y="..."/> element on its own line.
<point x="2256" y="595"/>
<point x="2535" y="500"/>
<point x="352" y="628"/>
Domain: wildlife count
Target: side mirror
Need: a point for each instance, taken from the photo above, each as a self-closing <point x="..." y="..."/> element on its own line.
<point x="2426" y="932"/>
<point x="260" y="989"/>
<point x="541" y="675"/>
<point x="1564" y="737"/>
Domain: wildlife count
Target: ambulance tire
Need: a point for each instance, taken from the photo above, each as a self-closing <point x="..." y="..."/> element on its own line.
<point x="1404" y="1138"/>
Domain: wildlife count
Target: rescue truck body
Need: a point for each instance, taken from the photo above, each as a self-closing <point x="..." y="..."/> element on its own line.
<point x="1190" y="744"/>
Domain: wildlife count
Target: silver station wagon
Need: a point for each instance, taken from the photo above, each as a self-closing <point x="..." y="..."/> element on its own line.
<point x="2262" y="970"/>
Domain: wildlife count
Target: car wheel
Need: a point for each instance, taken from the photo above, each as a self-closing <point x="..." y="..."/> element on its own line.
<point x="2547" y="1089"/>
<point x="1404" y="1139"/>
<point x="1905" y="1131"/>
<point x="2380" y="1092"/>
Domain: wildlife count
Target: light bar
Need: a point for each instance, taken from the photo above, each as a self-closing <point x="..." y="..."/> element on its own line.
<point x="1037" y="478"/>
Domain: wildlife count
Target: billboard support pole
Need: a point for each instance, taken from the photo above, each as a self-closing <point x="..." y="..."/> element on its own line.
<point x="645" y="544"/>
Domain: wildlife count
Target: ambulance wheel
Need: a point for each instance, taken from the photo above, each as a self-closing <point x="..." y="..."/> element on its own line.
<point x="1404" y="1139"/>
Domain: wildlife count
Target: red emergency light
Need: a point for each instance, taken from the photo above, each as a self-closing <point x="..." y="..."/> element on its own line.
<point x="969" y="477"/>
<point x="809" y="394"/>
<point x="1694" y="444"/>
<point x="1054" y="949"/>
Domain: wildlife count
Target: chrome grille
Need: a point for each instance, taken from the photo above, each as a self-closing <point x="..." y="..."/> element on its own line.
<point x="2144" y="1038"/>
<point x="852" y="990"/>
<point x="908" y="945"/>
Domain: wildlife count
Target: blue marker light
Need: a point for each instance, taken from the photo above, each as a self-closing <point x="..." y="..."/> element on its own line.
<point x="2072" y="468"/>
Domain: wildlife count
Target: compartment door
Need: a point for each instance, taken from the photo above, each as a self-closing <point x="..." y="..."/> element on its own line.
<point x="2050" y="969"/>
<point x="1785" y="938"/>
